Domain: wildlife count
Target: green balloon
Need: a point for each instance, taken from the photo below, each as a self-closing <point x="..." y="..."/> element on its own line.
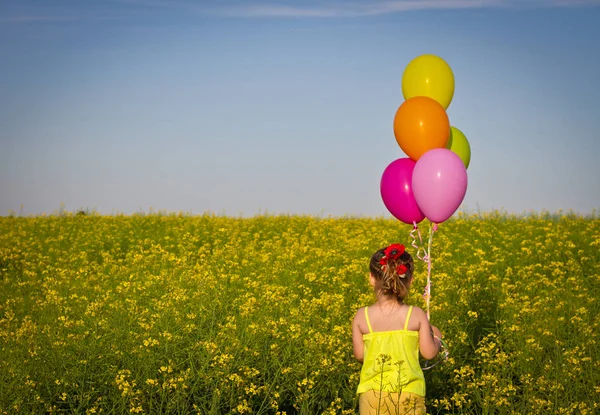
<point x="459" y="144"/>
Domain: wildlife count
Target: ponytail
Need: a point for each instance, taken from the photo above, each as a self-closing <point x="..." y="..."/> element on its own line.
<point x="392" y="268"/>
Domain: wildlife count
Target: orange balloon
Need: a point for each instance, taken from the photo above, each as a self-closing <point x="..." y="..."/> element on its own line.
<point x="421" y="124"/>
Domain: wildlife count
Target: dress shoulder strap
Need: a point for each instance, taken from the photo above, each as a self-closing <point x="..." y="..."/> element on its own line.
<point x="367" y="317"/>
<point x="407" y="318"/>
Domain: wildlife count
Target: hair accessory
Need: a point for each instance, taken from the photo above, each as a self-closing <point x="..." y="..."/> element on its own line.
<point x="394" y="251"/>
<point x="401" y="270"/>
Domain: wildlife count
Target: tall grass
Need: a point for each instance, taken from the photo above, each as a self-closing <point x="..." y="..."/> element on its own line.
<point x="211" y="315"/>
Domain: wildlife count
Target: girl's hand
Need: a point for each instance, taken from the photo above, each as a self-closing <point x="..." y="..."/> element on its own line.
<point x="437" y="336"/>
<point x="436" y="332"/>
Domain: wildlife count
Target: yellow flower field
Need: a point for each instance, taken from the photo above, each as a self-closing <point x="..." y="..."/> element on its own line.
<point x="206" y="314"/>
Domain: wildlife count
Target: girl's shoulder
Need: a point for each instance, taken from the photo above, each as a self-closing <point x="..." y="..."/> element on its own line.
<point x="418" y="316"/>
<point x="360" y="322"/>
<point x="360" y="313"/>
<point x="418" y="312"/>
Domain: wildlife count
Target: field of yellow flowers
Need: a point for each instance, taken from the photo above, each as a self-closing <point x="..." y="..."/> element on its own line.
<point x="206" y="314"/>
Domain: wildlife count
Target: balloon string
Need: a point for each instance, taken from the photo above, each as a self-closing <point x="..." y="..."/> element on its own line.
<point x="414" y="242"/>
<point x="426" y="257"/>
<point x="427" y="294"/>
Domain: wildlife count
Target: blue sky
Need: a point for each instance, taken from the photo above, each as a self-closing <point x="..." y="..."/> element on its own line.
<point x="242" y="107"/>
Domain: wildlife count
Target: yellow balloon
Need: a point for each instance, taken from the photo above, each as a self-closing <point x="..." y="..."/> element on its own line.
<point x="459" y="144"/>
<point x="429" y="76"/>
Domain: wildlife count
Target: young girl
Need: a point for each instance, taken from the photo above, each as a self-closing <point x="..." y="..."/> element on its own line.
<point x="388" y="336"/>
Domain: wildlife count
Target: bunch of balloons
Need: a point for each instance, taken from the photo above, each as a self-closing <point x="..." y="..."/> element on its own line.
<point x="432" y="181"/>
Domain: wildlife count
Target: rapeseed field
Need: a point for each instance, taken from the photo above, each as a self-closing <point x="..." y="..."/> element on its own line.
<point x="181" y="314"/>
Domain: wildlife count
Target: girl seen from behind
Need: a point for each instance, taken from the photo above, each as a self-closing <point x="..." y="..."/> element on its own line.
<point x="388" y="337"/>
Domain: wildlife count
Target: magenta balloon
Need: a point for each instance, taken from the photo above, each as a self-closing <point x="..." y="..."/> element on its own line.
<point x="439" y="183"/>
<point x="397" y="193"/>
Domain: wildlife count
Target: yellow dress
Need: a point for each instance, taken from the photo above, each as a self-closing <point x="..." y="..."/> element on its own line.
<point x="391" y="379"/>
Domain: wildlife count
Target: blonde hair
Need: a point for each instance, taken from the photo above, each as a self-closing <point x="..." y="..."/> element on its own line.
<point x="389" y="281"/>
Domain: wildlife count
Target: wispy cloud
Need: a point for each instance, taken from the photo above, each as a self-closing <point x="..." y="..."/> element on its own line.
<point x="378" y="7"/>
<point x="287" y="8"/>
<point x="344" y="9"/>
<point x="38" y="18"/>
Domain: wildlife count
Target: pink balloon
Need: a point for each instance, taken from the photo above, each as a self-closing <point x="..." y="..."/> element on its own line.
<point x="439" y="183"/>
<point x="396" y="191"/>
